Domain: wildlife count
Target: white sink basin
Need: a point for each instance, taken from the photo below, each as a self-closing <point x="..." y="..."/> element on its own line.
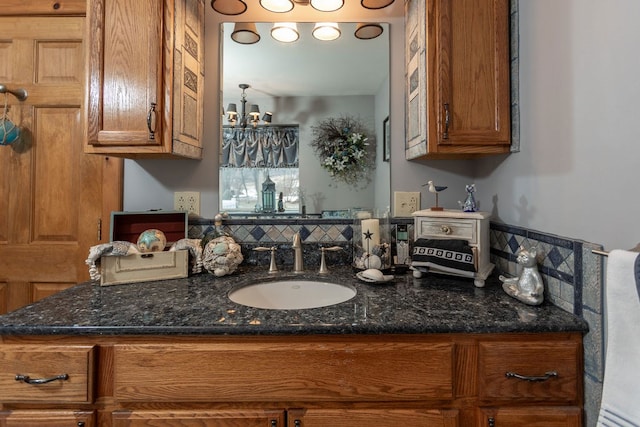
<point x="292" y="294"/>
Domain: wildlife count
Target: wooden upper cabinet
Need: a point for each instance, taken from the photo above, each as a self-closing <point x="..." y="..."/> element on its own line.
<point x="145" y="78"/>
<point x="458" y="78"/>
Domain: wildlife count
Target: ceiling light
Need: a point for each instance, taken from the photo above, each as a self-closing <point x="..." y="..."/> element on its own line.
<point x="326" y="31"/>
<point x="368" y="31"/>
<point x="375" y="4"/>
<point x="277" y="6"/>
<point x="285" y="32"/>
<point x="243" y="118"/>
<point x="229" y="7"/>
<point x="245" y="33"/>
<point x="327" y="5"/>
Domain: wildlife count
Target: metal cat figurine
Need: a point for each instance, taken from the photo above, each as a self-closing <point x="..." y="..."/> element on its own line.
<point x="529" y="287"/>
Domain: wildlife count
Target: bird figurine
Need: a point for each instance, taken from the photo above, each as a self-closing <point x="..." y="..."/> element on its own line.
<point x="435" y="189"/>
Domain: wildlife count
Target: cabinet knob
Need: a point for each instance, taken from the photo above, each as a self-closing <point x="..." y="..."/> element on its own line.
<point x="445" y="229"/>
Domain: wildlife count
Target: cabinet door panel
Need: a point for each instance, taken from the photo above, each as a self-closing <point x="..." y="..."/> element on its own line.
<point x="187" y="418"/>
<point x="531" y="417"/>
<point x="46" y="418"/>
<point x="474" y="75"/>
<point x="372" y="417"/>
<point x="126" y="45"/>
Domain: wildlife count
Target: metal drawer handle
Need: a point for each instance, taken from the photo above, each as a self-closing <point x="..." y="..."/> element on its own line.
<point x="150" y="116"/>
<point x="36" y="381"/>
<point x="447" y="121"/>
<point x="545" y="377"/>
<point x="445" y="229"/>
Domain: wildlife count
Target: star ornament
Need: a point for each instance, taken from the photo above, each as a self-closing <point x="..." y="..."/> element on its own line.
<point x="368" y="235"/>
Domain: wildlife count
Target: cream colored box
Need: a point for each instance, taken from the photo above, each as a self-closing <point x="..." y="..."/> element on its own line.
<point x="146" y="267"/>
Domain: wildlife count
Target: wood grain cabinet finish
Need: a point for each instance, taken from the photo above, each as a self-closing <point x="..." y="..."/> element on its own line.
<point x="145" y="78"/>
<point x="47" y="418"/>
<point x="431" y="380"/>
<point x="51" y="374"/>
<point x="458" y="82"/>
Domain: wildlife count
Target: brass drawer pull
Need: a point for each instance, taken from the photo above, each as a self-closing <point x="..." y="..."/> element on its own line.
<point x="545" y="377"/>
<point x="445" y="229"/>
<point x="36" y="381"/>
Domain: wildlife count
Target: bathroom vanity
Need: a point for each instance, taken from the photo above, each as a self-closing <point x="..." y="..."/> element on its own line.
<point x="435" y="351"/>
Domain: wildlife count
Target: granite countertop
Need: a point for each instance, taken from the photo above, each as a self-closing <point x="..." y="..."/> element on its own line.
<point x="199" y="305"/>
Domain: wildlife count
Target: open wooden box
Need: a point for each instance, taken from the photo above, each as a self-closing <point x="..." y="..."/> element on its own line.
<point x="150" y="266"/>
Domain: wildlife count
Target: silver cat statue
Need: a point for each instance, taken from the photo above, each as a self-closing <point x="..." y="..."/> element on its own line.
<point x="529" y="287"/>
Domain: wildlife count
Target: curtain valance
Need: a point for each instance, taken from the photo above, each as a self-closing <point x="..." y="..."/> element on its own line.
<point x="262" y="147"/>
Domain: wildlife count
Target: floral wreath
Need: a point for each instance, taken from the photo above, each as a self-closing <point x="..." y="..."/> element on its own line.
<point x="343" y="148"/>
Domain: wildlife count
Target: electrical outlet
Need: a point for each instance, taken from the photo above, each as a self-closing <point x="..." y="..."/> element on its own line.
<point x="187" y="201"/>
<point x="405" y="203"/>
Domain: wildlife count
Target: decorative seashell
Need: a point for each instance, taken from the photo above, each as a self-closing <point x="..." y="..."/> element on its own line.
<point x="373" y="274"/>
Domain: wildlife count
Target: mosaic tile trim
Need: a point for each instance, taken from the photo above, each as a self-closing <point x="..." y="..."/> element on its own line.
<point x="573" y="277"/>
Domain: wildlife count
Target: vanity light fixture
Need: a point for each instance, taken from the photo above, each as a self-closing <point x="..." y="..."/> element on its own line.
<point x="327" y="5"/>
<point x="245" y="33"/>
<point x="285" y="32"/>
<point x="375" y="4"/>
<point x="368" y="31"/>
<point x="326" y="31"/>
<point x="277" y="6"/>
<point x="243" y="119"/>
<point x="229" y="7"/>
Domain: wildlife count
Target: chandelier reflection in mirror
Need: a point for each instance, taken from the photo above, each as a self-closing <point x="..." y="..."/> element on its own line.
<point x="243" y="118"/>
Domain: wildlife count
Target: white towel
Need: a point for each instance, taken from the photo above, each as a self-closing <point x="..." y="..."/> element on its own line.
<point x="620" y="405"/>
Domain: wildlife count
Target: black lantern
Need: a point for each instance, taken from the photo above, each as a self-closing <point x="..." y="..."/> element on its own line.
<point x="268" y="195"/>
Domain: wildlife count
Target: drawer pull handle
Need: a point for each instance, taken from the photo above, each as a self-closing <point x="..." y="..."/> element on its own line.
<point x="150" y="119"/>
<point x="545" y="377"/>
<point x="36" y="381"/>
<point x="445" y="229"/>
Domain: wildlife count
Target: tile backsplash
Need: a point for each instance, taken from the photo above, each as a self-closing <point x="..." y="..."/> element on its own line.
<point x="572" y="273"/>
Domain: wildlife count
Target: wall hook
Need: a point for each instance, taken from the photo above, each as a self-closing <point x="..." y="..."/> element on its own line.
<point x="19" y="93"/>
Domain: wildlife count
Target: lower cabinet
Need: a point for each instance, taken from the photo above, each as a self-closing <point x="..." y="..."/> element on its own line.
<point x="530" y="417"/>
<point x="431" y="380"/>
<point x="200" y="418"/>
<point x="47" y="418"/>
<point x="288" y="418"/>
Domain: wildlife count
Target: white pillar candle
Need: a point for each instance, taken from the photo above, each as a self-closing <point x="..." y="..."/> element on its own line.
<point x="370" y="234"/>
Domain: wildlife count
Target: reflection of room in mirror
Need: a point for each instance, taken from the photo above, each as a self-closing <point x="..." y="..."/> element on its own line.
<point x="315" y="80"/>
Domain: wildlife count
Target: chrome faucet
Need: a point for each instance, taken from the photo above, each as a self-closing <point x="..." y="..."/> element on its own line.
<point x="298" y="264"/>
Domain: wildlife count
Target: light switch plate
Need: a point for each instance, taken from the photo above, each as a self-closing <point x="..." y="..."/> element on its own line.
<point x="405" y="202"/>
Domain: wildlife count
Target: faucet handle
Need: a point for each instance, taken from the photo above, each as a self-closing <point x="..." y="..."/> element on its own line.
<point x="273" y="268"/>
<point x="323" y="265"/>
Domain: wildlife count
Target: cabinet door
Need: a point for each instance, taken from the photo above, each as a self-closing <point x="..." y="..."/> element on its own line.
<point x="530" y="417"/>
<point x="372" y="417"/>
<point x="198" y="418"/>
<point x="473" y="85"/>
<point x="46" y="418"/>
<point x="125" y="72"/>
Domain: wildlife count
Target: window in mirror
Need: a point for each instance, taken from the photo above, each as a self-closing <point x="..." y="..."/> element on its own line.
<point x="242" y="187"/>
<point x="250" y="155"/>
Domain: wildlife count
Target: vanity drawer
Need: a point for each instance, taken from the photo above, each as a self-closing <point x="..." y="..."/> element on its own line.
<point x="283" y="371"/>
<point x="70" y="369"/>
<point x="550" y="371"/>
<point x="444" y="228"/>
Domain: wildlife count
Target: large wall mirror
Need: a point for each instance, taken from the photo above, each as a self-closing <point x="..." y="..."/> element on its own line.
<point x="303" y="84"/>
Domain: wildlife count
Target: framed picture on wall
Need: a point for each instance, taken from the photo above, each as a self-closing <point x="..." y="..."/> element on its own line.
<point x="386" y="140"/>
